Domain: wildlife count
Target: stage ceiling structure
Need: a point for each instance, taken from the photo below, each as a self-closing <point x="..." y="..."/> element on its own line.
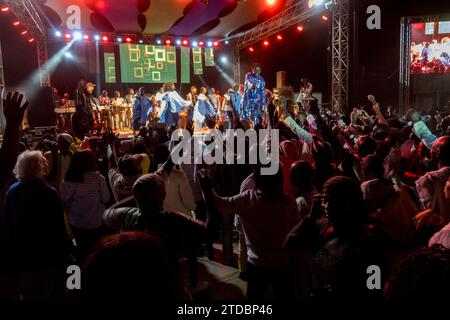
<point x="242" y="22"/>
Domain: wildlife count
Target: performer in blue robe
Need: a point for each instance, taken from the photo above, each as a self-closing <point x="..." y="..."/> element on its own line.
<point x="254" y="99"/>
<point x="203" y="108"/>
<point x="174" y="104"/>
<point x="142" y="108"/>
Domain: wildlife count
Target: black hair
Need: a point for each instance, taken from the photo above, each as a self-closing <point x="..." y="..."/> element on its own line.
<point x="82" y="161"/>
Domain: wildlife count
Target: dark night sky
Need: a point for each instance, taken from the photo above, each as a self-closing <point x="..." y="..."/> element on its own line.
<point x="302" y="55"/>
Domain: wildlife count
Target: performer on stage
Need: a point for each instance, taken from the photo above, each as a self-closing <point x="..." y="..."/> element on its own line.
<point x="193" y="98"/>
<point x="129" y="99"/>
<point x="118" y="111"/>
<point x="104" y="99"/>
<point x="83" y="118"/>
<point x="203" y="108"/>
<point x="105" y="110"/>
<point x="214" y="98"/>
<point x="142" y="108"/>
<point x="174" y="104"/>
<point x="254" y="100"/>
<point x="234" y="95"/>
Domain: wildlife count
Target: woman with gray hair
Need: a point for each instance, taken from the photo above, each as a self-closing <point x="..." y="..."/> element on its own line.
<point x="38" y="246"/>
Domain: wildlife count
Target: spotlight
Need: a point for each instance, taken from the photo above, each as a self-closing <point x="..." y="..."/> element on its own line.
<point x="271" y="2"/>
<point x="201" y="43"/>
<point x="24" y="32"/>
<point x="67" y="36"/>
<point x="178" y="42"/>
<point x="185" y="42"/>
<point x="16" y="23"/>
<point x="251" y="49"/>
<point x="227" y="42"/>
<point x="58" y="34"/>
<point x="77" y="35"/>
<point x="105" y="38"/>
<point x="5" y="9"/>
<point x="97" y="37"/>
<point x="318" y="3"/>
<point x="68" y="55"/>
<point x="141" y="41"/>
<point x="119" y="39"/>
<point x="325" y="18"/>
<point x="195" y="43"/>
<point x="168" y="42"/>
<point x="210" y="44"/>
<point x="266" y="43"/>
<point x="86" y="37"/>
<point x="128" y="39"/>
<point x="279" y="37"/>
<point x="31" y="40"/>
<point x="300" y="28"/>
<point x="224" y="59"/>
<point x="158" y="41"/>
<point x="216" y="44"/>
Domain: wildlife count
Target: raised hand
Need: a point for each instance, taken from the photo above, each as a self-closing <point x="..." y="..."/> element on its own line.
<point x="13" y="108"/>
<point x="210" y="122"/>
<point x="109" y="137"/>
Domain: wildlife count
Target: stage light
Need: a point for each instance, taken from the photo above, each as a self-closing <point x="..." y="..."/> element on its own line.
<point x="325" y="18"/>
<point x="318" y="3"/>
<point x="128" y="39"/>
<point x="185" y="42"/>
<point x="224" y="59"/>
<point x="105" y="38"/>
<point x="31" y="40"/>
<point x="68" y="55"/>
<point x="300" y="28"/>
<point x="279" y="37"/>
<point x="210" y="44"/>
<point x="58" y="34"/>
<point x="216" y="44"/>
<point x="67" y="36"/>
<point x="5" y="9"/>
<point x="86" y="37"/>
<point x="119" y="39"/>
<point x="251" y="49"/>
<point x="178" y="42"/>
<point x="266" y="43"/>
<point x="227" y="42"/>
<point x="97" y="37"/>
<point x="168" y="42"/>
<point x="16" y="23"/>
<point x="141" y="41"/>
<point x="271" y="2"/>
<point x="77" y="35"/>
<point x="201" y="43"/>
<point x="158" y="41"/>
<point x="24" y="32"/>
<point x="195" y="43"/>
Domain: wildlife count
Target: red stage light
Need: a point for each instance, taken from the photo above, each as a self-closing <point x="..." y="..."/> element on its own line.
<point x="68" y="36"/>
<point x="31" y="40"/>
<point x="128" y="39"/>
<point x="251" y="49"/>
<point x="201" y="43"/>
<point x="24" y="32"/>
<point x="105" y="38"/>
<point x="86" y="37"/>
<point x="185" y="42"/>
<point x="324" y="18"/>
<point x="266" y="43"/>
<point x="5" y="9"/>
<point x="300" y="28"/>
<point x="271" y="2"/>
<point x="279" y="37"/>
<point x="16" y="23"/>
<point x="168" y="42"/>
<point x="216" y="44"/>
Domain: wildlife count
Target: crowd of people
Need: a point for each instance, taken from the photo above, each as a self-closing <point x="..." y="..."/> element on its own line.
<point x="353" y="190"/>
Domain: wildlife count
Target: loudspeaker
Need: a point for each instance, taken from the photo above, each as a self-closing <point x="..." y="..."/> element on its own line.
<point x="41" y="111"/>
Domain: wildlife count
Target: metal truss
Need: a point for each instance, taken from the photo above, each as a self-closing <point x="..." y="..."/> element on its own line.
<point x="295" y="14"/>
<point x="2" y="87"/>
<point x="340" y="35"/>
<point x="236" y="63"/>
<point x="28" y="15"/>
<point x="404" y="77"/>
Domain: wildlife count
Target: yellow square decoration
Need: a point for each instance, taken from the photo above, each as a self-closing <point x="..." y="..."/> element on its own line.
<point x="156" y="76"/>
<point x="151" y="64"/>
<point x="159" y="65"/>
<point x="171" y="57"/>
<point x="160" y="54"/>
<point x="138" y="72"/>
<point x="149" y="50"/>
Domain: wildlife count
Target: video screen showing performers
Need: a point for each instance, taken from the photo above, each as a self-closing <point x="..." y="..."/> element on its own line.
<point x="430" y="47"/>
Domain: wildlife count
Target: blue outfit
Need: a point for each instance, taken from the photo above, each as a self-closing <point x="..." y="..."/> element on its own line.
<point x="254" y="99"/>
<point x="202" y="109"/>
<point x="142" y="108"/>
<point x="174" y="104"/>
<point x="237" y="100"/>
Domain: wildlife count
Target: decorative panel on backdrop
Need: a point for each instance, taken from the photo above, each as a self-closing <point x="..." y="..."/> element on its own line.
<point x="197" y="61"/>
<point x="185" y="65"/>
<point x="209" y="57"/>
<point x="110" y="67"/>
